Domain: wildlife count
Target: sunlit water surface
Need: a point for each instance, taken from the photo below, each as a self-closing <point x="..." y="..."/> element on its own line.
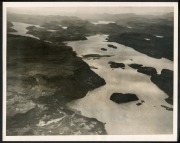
<point x="127" y="118"/>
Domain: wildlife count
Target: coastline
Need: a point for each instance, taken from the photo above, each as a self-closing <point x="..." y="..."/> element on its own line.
<point x="51" y="76"/>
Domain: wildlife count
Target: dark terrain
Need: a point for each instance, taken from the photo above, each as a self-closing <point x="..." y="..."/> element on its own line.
<point x="112" y="46"/>
<point x="145" y="70"/>
<point x="103" y="49"/>
<point x="9" y="27"/>
<point x="165" y="82"/>
<point x="145" y="27"/>
<point x="123" y="98"/>
<point x="155" y="47"/>
<point x="56" y="36"/>
<point x="41" y="79"/>
<point x="116" y="65"/>
<point x="95" y="56"/>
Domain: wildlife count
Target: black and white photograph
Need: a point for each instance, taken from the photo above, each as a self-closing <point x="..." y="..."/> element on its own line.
<point x="90" y="71"/>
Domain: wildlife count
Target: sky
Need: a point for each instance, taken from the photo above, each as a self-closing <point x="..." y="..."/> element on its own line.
<point x="88" y="10"/>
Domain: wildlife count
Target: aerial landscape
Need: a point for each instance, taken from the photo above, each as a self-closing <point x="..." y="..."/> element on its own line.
<point x="89" y="71"/>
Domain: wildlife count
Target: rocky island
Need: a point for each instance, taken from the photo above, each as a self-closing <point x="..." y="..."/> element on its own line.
<point x="116" y="65"/>
<point x="123" y="98"/>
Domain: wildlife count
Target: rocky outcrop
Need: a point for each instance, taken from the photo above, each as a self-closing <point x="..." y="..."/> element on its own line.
<point x="116" y="65"/>
<point x="9" y="27"/>
<point x="167" y="108"/>
<point x="165" y="82"/>
<point x="140" y="103"/>
<point x="95" y="56"/>
<point x="123" y="98"/>
<point x="145" y="70"/>
<point x="112" y="46"/>
<point x="103" y="49"/>
<point x="135" y="66"/>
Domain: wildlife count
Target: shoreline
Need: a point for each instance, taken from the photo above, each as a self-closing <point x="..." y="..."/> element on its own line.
<point x="124" y="81"/>
<point x="50" y="78"/>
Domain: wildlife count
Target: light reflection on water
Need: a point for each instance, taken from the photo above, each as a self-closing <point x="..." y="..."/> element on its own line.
<point x="21" y="29"/>
<point x="103" y="22"/>
<point x="128" y="118"/>
<point x="150" y="117"/>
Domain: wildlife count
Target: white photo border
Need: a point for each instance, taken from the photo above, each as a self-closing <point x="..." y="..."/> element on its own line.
<point x="163" y="137"/>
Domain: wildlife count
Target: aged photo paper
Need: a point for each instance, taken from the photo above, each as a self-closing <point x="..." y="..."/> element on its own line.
<point x="90" y="71"/>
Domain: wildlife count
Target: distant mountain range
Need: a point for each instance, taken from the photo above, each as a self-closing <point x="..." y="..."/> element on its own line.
<point x="118" y="18"/>
<point x="38" y="19"/>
